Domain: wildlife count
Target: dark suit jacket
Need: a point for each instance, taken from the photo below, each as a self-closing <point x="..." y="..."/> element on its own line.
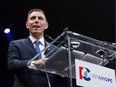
<point x="19" y="53"/>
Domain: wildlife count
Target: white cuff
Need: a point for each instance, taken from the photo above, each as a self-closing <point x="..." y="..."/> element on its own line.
<point x="32" y="65"/>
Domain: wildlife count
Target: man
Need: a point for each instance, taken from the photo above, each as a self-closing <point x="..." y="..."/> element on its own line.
<point x="21" y="51"/>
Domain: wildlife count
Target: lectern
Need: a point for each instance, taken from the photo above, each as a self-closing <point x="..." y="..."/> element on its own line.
<point x="73" y="46"/>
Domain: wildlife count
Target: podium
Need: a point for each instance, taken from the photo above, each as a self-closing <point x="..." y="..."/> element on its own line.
<point x="71" y="46"/>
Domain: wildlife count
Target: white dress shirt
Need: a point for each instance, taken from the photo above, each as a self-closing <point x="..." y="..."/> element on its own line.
<point x="41" y="46"/>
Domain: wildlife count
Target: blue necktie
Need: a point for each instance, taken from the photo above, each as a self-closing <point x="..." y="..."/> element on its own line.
<point x="37" y="43"/>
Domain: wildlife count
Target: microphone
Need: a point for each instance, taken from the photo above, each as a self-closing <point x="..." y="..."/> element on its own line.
<point x="49" y="37"/>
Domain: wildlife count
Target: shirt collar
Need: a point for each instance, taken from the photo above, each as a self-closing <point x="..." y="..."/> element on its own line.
<point x="33" y="40"/>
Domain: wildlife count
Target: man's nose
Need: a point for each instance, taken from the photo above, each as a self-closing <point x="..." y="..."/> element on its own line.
<point x="36" y="20"/>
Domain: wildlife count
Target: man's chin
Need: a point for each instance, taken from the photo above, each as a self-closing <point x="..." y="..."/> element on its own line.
<point x="36" y="33"/>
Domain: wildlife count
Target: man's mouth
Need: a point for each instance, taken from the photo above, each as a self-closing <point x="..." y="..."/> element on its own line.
<point x="36" y="26"/>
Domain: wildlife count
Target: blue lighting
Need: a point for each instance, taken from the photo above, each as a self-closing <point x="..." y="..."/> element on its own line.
<point x="8" y="34"/>
<point x="7" y="30"/>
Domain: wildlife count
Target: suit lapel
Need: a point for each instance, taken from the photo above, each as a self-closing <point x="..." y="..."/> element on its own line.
<point x="50" y="50"/>
<point x="30" y="46"/>
<point x="32" y="50"/>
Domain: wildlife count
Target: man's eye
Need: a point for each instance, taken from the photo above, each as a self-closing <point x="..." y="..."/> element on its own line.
<point x="32" y="18"/>
<point x="40" y="18"/>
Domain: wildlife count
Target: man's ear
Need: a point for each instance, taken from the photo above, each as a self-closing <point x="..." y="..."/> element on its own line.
<point x="26" y="24"/>
<point x="46" y="27"/>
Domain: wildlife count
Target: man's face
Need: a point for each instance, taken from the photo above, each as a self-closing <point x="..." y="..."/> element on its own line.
<point x="36" y="23"/>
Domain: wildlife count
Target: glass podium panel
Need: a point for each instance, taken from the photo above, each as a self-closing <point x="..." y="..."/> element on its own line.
<point x="70" y="46"/>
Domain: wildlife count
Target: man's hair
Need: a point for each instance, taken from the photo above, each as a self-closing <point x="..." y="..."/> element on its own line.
<point x="35" y="10"/>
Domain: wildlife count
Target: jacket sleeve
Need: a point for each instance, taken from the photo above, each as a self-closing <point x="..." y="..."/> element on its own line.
<point x="16" y="64"/>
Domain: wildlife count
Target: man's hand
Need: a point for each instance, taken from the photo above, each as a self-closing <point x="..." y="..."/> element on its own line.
<point x="39" y="63"/>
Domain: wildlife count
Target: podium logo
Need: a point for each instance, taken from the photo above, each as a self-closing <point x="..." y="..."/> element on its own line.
<point x="84" y="73"/>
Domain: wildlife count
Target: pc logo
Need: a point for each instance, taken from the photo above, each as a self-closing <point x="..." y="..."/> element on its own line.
<point x="84" y="73"/>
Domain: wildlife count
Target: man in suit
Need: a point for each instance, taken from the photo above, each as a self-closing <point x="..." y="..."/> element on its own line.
<point x="21" y="51"/>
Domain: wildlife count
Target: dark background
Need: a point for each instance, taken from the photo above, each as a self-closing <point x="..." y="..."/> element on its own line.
<point x="93" y="18"/>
